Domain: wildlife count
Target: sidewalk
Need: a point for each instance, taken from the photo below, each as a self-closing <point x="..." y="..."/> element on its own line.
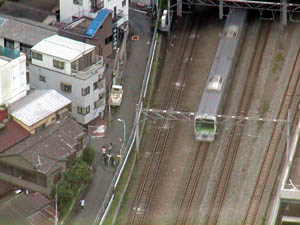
<point x="137" y="53"/>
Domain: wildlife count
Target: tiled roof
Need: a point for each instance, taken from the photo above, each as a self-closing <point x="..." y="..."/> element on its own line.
<point x="45" y="148"/>
<point x="25" y="32"/>
<point x="11" y="135"/>
<point x="37" y="106"/>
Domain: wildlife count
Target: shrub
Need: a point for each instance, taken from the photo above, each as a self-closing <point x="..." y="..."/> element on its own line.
<point x="88" y="155"/>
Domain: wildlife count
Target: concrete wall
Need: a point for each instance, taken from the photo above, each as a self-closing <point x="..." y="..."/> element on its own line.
<point x="13" y="85"/>
<point x="53" y="81"/>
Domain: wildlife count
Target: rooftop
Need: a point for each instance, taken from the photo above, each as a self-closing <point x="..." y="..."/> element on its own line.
<point x="37" y="106"/>
<point x="24" y="31"/>
<point x="63" y="48"/>
<point x="54" y="143"/>
<point x="11" y="135"/>
<point x="27" y="209"/>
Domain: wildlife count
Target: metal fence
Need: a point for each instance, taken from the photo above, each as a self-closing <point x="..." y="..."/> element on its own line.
<point x="102" y="212"/>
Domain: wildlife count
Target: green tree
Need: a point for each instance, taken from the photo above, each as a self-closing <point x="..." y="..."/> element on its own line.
<point x="88" y="155"/>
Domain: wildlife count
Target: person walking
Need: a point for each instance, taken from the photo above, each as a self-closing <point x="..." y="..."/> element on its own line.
<point x="82" y="203"/>
<point x="104" y="151"/>
<point x="110" y="147"/>
<point x="118" y="159"/>
<point x="105" y="159"/>
<point x="112" y="160"/>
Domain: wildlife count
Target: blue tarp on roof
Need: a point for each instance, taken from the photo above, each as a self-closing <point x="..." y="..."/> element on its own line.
<point x="97" y="22"/>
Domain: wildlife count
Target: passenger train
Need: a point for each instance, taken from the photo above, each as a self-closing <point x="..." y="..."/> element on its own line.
<point x="213" y="97"/>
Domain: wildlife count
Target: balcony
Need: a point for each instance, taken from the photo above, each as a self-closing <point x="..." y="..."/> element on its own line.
<point x="95" y="69"/>
<point x="119" y="19"/>
<point x="96" y="6"/>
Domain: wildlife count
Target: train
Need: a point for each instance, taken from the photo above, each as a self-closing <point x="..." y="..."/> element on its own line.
<point x="220" y="75"/>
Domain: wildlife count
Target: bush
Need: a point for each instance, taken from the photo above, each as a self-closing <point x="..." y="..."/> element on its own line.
<point x="88" y="155"/>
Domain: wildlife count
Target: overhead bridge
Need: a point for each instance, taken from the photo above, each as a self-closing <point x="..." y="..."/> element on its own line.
<point x="288" y="9"/>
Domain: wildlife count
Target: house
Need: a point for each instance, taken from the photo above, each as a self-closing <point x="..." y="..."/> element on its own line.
<point x="69" y="8"/>
<point x="74" y="70"/>
<point x="37" y="162"/>
<point x="39" y="109"/>
<point x="21" y="34"/>
<point x="97" y="31"/>
<point x="27" y="209"/>
<point x="13" y="81"/>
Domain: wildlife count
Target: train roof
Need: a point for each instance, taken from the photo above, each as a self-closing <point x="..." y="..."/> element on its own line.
<point x="218" y="77"/>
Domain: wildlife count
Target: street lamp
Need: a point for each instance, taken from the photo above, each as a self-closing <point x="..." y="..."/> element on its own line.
<point x="124" y="129"/>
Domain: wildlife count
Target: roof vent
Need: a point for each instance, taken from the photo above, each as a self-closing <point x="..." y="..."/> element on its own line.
<point x="215" y="83"/>
<point x="232" y="31"/>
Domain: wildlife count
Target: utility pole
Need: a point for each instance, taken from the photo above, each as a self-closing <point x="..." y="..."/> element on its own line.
<point x="137" y="131"/>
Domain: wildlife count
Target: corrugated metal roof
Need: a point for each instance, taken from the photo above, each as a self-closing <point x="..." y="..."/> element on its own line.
<point x="97" y="22"/>
<point x="37" y="106"/>
<point x="62" y="47"/>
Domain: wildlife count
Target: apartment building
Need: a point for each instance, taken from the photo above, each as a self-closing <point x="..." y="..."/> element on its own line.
<point x="13" y="81"/>
<point x="69" y="8"/>
<point x="97" y="31"/>
<point x="74" y="70"/>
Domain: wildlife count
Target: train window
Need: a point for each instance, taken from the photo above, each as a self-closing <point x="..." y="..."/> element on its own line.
<point x="215" y="83"/>
<point x="232" y="31"/>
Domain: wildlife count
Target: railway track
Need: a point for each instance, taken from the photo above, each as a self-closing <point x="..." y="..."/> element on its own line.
<point x="141" y="214"/>
<point x="191" y="185"/>
<point x="234" y="141"/>
<point x="272" y="148"/>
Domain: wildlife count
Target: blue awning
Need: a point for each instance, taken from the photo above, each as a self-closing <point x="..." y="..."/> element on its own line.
<point x="97" y="22"/>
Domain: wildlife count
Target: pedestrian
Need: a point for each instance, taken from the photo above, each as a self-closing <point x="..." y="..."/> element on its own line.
<point x="82" y="203"/>
<point x="112" y="160"/>
<point x="110" y="146"/>
<point x="104" y="151"/>
<point x="105" y="158"/>
<point x="118" y="159"/>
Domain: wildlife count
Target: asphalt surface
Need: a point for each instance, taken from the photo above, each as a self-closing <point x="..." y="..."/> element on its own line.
<point x="134" y="70"/>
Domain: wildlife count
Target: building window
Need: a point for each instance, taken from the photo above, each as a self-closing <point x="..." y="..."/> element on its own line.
<point x="25" y="49"/>
<point x="9" y="43"/>
<point x="37" y="56"/>
<point x="58" y="64"/>
<point x="82" y="110"/>
<point x="85" y="91"/>
<point x="77" y="2"/>
<point x="42" y="78"/>
<point x="41" y="127"/>
<point x="66" y="87"/>
<point x="98" y="84"/>
<point x="108" y="40"/>
<point x="123" y="3"/>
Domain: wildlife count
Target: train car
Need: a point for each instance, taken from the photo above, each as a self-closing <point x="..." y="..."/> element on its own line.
<point x="213" y="97"/>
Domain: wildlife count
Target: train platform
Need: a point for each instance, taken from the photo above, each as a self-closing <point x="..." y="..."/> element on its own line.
<point x="112" y="131"/>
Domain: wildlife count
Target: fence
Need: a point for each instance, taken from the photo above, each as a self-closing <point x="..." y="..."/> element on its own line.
<point x="102" y="212"/>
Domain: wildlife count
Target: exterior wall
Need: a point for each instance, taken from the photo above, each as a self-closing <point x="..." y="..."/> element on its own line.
<point x="68" y="9"/>
<point x="99" y="39"/>
<point x="13" y="85"/>
<point x="47" y="121"/>
<point x="2" y="41"/>
<point x="53" y="81"/>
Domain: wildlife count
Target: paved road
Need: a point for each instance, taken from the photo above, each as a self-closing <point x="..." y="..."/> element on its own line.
<point x="137" y="53"/>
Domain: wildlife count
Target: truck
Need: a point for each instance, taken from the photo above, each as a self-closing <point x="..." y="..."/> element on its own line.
<point x="116" y="95"/>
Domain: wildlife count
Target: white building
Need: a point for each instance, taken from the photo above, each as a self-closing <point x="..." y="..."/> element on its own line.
<point x="69" y="8"/>
<point x="13" y="82"/>
<point x="73" y="69"/>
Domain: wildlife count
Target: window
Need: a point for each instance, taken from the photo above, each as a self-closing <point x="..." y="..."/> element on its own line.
<point x="85" y="91"/>
<point x="42" y="78"/>
<point x="37" y="56"/>
<point x="77" y="2"/>
<point x="98" y="84"/>
<point x="58" y="64"/>
<point x="123" y="3"/>
<point x="82" y="110"/>
<point x="9" y="43"/>
<point x="25" y="49"/>
<point x="97" y="104"/>
<point x="66" y="87"/>
<point x="108" y="40"/>
<point x="41" y="127"/>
